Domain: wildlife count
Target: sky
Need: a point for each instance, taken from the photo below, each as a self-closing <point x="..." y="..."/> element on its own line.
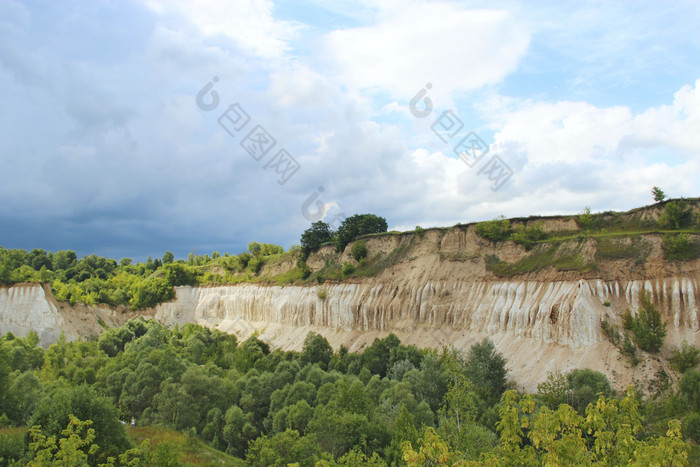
<point x="132" y="127"/>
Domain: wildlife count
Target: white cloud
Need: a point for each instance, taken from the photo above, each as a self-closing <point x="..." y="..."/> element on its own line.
<point x="249" y="22"/>
<point x="439" y="43"/>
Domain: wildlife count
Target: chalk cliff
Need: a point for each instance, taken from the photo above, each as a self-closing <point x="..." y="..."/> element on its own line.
<point x="435" y="289"/>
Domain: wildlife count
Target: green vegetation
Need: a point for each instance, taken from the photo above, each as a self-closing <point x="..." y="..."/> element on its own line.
<point x="542" y="256"/>
<point x="632" y="247"/>
<point x="676" y="215"/>
<point x="685" y="358"/>
<point x="358" y="250"/>
<point x="197" y="397"/>
<point x="681" y="246"/>
<point x="658" y="194"/>
<point x="355" y="226"/>
<point x="648" y="327"/>
<point x="496" y="230"/>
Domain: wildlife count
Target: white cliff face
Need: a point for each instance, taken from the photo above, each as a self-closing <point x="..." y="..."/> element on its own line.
<point x="539" y="326"/>
<point x="26" y="308"/>
<point x="566" y="313"/>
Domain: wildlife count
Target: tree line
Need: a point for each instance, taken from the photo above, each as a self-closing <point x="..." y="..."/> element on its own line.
<point x="391" y="404"/>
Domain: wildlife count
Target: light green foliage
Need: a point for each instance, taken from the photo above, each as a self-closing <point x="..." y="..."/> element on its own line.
<point x="528" y="236"/>
<point x="71" y="449"/>
<point x="495" y="230"/>
<point x="585" y="219"/>
<point x="348" y="268"/>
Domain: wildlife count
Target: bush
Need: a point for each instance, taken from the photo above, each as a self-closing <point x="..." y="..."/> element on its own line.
<point x="680" y="247"/>
<point x="585" y="219"/>
<point x="348" y="268"/>
<point x="322" y="294"/>
<point x="648" y="327"/>
<point x="676" y="215"/>
<point x="495" y="230"/>
<point x="686" y="358"/>
<point x="691" y="427"/>
<point x="420" y="231"/>
<point x="358" y="251"/>
<point x="527" y="236"/>
<point x="255" y="264"/>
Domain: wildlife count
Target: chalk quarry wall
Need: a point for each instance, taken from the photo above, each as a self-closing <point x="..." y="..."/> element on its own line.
<point x="437" y="292"/>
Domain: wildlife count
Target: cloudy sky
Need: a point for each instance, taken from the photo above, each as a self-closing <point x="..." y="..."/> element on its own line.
<point x="130" y="127"/>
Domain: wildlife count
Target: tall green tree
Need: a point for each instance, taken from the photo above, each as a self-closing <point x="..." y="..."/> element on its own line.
<point x="354" y="226"/>
<point x="313" y="237"/>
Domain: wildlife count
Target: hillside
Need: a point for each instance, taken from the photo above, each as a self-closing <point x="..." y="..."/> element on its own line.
<point x="540" y="287"/>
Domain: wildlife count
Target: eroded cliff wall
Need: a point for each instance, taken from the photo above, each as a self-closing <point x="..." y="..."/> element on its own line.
<point x="539" y="326"/>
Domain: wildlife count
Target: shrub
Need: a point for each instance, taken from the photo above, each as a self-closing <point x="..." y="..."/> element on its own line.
<point x="611" y="331"/>
<point x="648" y="327"/>
<point x="585" y="219"/>
<point x="676" y="215"/>
<point x="322" y="294"/>
<point x="358" y="251"/>
<point x="680" y="247"/>
<point x="686" y="358"/>
<point x="420" y="231"/>
<point x="495" y="230"/>
<point x="348" y="268"/>
<point x="691" y="427"/>
<point x="527" y="236"/>
<point x="303" y="268"/>
<point x="255" y="264"/>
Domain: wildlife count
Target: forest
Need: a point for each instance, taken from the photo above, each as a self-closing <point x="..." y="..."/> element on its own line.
<point x="392" y="404"/>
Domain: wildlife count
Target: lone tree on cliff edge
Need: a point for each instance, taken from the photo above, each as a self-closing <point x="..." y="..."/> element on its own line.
<point x="658" y="193"/>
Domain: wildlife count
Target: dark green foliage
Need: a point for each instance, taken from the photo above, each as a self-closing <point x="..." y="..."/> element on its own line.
<point x="691" y="427"/>
<point x="177" y="274"/>
<point x="658" y="194"/>
<point x="168" y="257"/>
<point x="685" y="358"/>
<point x="676" y="215"/>
<point x="53" y="412"/>
<point x="577" y="388"/>
<point x="648" y="327"/>
<point x="316" y="350"/>
<point x="359" y="250"/>
<point x="355" y="226"/>
<point x="690" y="388"/>
<point x="495" y="230"/>
<point x="486" y="368"/>
<point x="315" y="236"/>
